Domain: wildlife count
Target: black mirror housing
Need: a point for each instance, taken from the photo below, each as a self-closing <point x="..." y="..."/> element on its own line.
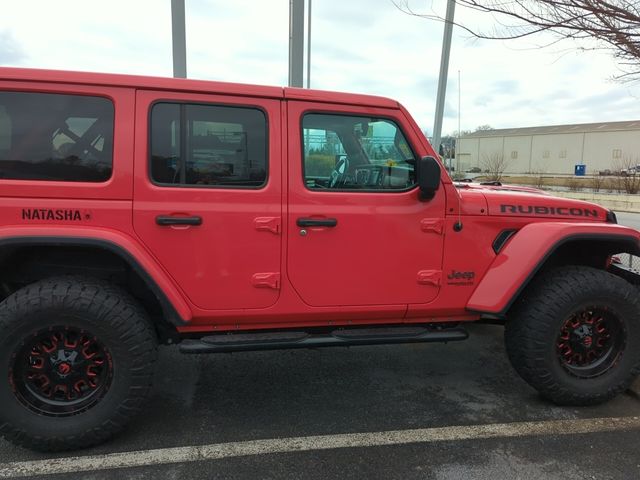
<point x="428" y="175"/>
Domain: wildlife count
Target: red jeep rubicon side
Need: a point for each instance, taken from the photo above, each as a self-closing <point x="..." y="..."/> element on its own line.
<point x="142" y="211"/>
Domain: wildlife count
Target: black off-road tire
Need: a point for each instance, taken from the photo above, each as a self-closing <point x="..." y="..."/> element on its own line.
<point x="535" y="323"/>
<point x="106" y="316"/>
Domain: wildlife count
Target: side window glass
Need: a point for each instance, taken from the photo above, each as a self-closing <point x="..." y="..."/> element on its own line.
<point x="45" y="136"/>
<point x="208" y="145"/>
<point x="342" y="152"/>
<point x="5" y="131"/>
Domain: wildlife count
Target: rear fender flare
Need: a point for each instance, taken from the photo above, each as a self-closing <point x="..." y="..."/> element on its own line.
<point x="175" y="309"/>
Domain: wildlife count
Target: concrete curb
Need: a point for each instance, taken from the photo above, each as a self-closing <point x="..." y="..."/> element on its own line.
<point x="617" y="202"/>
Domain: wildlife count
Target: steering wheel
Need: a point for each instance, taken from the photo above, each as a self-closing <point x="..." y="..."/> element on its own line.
<point x="339" y="172"/>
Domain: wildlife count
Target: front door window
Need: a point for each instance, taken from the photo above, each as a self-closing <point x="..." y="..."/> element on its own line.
<point x="343" y="152"/>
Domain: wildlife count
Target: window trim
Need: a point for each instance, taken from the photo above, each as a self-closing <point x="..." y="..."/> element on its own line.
<point x="183" y="103"/>
<point x="394" y="120"/>
<point x="71" y="93"/>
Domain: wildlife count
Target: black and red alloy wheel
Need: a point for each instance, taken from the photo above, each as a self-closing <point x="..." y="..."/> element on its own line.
<point x="590" y="342"/>
<point x="60" y="371"/>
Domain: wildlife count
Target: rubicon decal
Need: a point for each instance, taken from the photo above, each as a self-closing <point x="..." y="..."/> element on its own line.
<point x="60" y="214"/>
<point x="541" y="210"/>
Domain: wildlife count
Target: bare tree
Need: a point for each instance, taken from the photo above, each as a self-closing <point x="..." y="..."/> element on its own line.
<point x="538" y="177"/>
<point x="615" y="185"/>
<point x="629" y="179"/>
<point x="494" y="165"/>
<point x="573" y="184"/>
<point x="597" y="183"/>
<point x="613" y="24"/>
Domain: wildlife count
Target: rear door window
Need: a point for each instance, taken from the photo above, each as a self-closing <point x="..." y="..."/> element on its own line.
<point x="208" y="146"/>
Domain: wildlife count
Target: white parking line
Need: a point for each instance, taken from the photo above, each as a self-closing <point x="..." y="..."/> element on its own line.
<point x="302" y="444"/>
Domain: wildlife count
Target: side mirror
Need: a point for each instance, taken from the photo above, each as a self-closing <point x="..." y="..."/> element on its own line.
<point x="428" y="176"/>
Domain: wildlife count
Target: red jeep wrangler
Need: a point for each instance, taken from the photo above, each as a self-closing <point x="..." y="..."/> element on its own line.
<point x="142" y="211"/>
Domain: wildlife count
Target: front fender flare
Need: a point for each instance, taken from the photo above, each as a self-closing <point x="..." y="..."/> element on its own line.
<point x="526" y="253"/>
<point x="126" y="247"/>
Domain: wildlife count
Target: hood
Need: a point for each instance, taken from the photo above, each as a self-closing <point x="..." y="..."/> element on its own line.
<point x="516" y="201"/>
<point x="497" y="186"/>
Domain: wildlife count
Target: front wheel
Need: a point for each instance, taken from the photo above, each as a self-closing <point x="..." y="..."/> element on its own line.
<point x="76" y="356"/>
<point x="575" y="335"/>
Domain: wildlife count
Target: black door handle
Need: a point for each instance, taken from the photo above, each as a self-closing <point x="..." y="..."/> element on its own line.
<point x="316" y="222"/>
<point x="164" y="220"/>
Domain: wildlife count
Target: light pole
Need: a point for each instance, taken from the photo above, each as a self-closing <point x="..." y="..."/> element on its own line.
<point x="444" y="70"/>
<point x="296" y="42"/>
<point x="459" y="114"/>
<point x="178" y="37"/>
<point x="309" y="46"/>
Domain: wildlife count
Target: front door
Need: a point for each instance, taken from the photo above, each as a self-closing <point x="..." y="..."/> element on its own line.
<point x="207" y="195"/>
<point x="358" y="234"/>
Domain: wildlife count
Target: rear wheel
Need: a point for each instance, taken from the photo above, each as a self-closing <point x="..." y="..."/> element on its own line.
<point x="76" y="357"/>
<point x="575" y="335"/>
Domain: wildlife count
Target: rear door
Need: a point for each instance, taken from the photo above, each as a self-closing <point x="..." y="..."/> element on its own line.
<point x="207" y="194"/>
<point x="358" y="235"/>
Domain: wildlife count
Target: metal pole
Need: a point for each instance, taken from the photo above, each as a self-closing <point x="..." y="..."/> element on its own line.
<point x="309" y="46"/>
<point x="458" y="141"/>
<point x="296" y="43"/>
<point x="179" y="39"/>
<point x="308" y="132"/>
<point x="444" y="70"/>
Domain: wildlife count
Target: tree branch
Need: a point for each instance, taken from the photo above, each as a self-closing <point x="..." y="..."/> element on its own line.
<point x="613" y="24"/>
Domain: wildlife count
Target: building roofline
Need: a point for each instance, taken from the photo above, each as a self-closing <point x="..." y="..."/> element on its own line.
<point x="630" y="125"/>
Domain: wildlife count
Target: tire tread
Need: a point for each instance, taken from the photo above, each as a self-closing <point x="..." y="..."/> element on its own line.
<point x="124" y="316"/>
<point x="537" y="312"/>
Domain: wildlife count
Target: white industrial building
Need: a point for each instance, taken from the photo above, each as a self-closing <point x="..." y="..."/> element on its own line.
<point x="554" y="149"/>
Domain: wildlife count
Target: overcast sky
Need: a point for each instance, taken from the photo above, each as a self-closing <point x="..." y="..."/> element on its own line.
<point x="364" y="46"/>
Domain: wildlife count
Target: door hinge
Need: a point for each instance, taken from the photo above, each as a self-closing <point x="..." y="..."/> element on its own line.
<point x="266" y="280"/>
<point x="267" y="224"/>
<point x="431" y="225"/>
<point x="430" y="277"/>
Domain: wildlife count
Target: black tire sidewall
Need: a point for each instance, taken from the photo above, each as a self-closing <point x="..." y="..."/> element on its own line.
<point x="628" y="359"/>
<point x="534" y="326"/>
<point x="29" y="318"/>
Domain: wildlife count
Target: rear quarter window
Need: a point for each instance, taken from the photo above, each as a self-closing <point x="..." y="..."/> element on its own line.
<point x="47" y="136"/>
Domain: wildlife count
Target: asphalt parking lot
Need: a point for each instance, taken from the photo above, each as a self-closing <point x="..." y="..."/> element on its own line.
<point x="428" y="411"/>
<point x="270" y="396"/>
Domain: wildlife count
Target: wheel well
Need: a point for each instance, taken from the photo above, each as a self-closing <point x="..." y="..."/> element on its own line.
<point x="21" y="265"/>
<point x="589" y="252"/>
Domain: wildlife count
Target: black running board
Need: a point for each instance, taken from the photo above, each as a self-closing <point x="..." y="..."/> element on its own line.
<point x="243" y="342"/>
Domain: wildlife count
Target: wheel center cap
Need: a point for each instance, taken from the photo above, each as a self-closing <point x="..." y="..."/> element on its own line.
<point x="64" y="368"/>
<point x="583" y="331"/>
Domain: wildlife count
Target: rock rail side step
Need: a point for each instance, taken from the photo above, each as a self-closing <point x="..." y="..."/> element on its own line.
<point x="242" y="342"/>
